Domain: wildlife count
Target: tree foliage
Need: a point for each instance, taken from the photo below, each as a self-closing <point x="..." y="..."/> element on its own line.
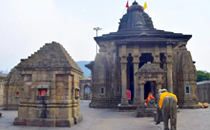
<point x="202" y="75"/>
<point x="83" y="76"/>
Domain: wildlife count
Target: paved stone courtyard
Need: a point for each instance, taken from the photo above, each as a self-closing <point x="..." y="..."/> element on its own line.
<point x="110" y="119"/>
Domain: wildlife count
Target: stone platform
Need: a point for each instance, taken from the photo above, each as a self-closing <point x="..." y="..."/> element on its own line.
<point x="111" y="119"/>
<point x="47" y="122"/>
<point x="125" y="108"/>
<point x="141" y="111"/>
<point x="145" y="111"/>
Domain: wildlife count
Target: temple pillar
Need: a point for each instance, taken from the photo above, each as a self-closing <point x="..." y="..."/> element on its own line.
<point x="136" y="61"/>
<point x="152" y="85"/>
<point x="169" y="68"/>
<point x="159" y="85"/>
<point x="159" y="82"/>
<point x="156" y="55"/>
<point x="124" y="99"/>
<point x="142" y="94"/>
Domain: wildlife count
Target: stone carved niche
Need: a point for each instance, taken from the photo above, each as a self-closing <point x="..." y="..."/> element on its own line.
<point x="150" y="72"/>
<point x="42" y="90"/>
<point x="61" y="87"/>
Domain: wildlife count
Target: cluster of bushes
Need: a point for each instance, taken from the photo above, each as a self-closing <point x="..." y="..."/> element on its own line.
<point x="202" y="75"/>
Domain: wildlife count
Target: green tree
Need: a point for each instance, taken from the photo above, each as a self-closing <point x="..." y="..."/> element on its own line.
<point x="202" y="75"/>
<point x="83" y="76"/>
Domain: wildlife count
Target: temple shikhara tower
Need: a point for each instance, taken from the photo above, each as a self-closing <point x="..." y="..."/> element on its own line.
<point x="48" y="93"/>
<point x="141" y="59"/>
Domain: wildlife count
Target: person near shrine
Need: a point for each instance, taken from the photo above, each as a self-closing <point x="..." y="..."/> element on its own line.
<point x="150" y="96"/>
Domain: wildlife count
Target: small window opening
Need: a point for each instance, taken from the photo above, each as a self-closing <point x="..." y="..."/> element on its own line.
<point x="17" y="94"/>
<point x="42" y="92"/>
<point x="118" y="89"/>
<point x="187" y="89"/>
<point x="102" y="91"/>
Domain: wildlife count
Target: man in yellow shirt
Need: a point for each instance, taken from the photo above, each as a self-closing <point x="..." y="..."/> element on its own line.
<point x="167" y="105"/>
<point x="164" y="94"/>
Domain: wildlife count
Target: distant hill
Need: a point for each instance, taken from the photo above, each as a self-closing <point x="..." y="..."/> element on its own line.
<point x="86" y="71"/>
<point x="4" y="72"/>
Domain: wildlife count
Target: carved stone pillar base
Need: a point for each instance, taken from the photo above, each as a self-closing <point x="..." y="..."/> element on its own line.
<point x="124" y="101"/>
<point x="136" y="101"/>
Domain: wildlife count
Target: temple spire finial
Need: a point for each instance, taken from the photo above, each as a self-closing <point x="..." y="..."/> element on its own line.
<point x="135" y="3"/>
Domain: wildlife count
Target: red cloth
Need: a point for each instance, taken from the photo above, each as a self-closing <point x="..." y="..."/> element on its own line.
<point x="127" y="5"/>
<point x="43" y="92"/>
<point x="129" y="94"/>
<point x="148" y="98"/>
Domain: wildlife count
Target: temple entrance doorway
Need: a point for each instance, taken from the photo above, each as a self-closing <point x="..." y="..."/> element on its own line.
<point x="87" y="93"/>
<point x="149" y="87"/>
<point x="130" y="77"/>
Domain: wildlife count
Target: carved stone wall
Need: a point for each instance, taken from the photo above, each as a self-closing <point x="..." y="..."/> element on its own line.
<point x="184" y="74"/>
<point x="203" y="91"/>
<point x="12" y="90"/>
<point x="104" y="72"/>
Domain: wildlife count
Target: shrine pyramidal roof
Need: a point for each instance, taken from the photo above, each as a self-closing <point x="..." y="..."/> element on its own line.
<point x="138" y="24"/>
<point x="51" y="55"/>
<point x="150" y="68"/>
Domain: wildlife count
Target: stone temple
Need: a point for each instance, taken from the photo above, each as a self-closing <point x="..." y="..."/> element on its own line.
<point x="2" y="78"/>
<point x="48" y="88"/>
<point x="141" y="59"/>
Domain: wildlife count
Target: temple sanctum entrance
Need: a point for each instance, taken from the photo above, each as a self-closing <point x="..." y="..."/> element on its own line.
<point x="149" y="87"/>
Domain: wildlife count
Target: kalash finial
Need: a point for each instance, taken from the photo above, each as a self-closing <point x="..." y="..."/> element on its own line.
<point x="135" y="3"/>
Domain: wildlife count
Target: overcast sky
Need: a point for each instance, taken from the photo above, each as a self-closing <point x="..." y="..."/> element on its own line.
<point x="26" y="25"/>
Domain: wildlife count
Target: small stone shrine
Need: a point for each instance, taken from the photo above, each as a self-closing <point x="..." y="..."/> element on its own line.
<point x="49" y="95"/>
<point x="2" y="78"/>
<point x="122" y="64"/>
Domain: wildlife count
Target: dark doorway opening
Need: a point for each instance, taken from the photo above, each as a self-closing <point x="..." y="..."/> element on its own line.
<point x="87" y="92"/>
<point x="130" y="77"/>
<point x="149" y="87"/>
<point x="145" y="57"/>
